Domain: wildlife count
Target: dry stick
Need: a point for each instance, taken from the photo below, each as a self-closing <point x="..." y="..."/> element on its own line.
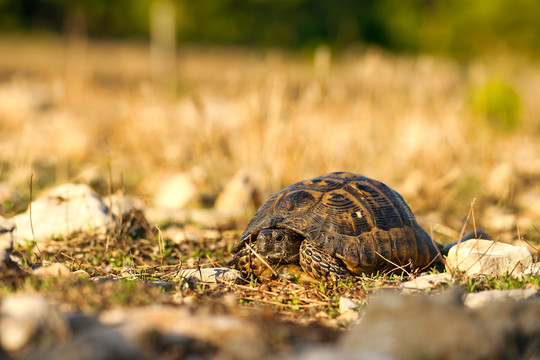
<point x="480" y="257"/>
<point x="473" y="218"/>
<point x="30" y="215"/>
<point x="462" y="232"/>
<point x="515" y="267"/>
<point x="396" y="265"/>
<point x="304" y="299"/>
<point x="109" y="185"/>
<point x="517" y="229"/>
<point x="284" y="304"/>
<point x="109" y="174"/>
<point x="262" y="260"/>
<point x="258" y="290"/>
<point x="73" y="260"/>
<point x="160" y="243"/>
<point x="211" y="263"/>
<point x="535" y="248"/>
<point x="439" y="254"/>
<point x="463" y="227"/>
<point x="249" y="256"/>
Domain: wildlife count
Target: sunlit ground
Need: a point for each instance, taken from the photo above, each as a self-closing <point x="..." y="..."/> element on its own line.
<point x="445" y="135"/>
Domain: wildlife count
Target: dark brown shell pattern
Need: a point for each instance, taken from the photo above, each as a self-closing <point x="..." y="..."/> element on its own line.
<point x="358" y="219"/>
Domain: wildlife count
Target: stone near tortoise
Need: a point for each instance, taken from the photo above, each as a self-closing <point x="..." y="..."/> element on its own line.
<point x="489" y="258"/>
<point x="61" y="211"/>
<point x="332" y="227"/>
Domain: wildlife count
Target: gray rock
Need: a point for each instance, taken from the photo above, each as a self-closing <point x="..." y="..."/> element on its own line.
<point x="174" y="191"/>
<point x="475" y="257"/>
<point x="425" y="282"/>
<point x="334" y="352"/>
<point x="476" y="300"/>
<point x="26" y="320"/>
<point x="122" y="205"/>
<point x="6" y="241"/>
<point x="405" y="326"/>
<point x="420" y="326"/>
<point x="238" y="196"/>
<point x="94" y="343"/>
<point x="515" y="323"/>
<point x="235" y="337"/>
<point x="61" y="211"/>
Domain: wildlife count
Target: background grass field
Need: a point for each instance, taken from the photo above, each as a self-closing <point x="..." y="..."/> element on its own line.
<point x="439" y="100"/>
<point x="444" y="134"/>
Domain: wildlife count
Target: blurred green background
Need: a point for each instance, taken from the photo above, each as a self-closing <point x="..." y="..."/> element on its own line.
<point x="457" y="28"/>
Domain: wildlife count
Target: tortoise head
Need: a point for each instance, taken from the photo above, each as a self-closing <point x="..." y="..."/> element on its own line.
<point x="279" y="245"/>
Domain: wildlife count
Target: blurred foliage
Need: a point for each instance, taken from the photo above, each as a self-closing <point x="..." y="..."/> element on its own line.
<point x="458" y="28"/>
<point x="499" y="103"/>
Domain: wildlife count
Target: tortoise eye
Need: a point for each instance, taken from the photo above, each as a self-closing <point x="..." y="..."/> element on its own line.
<point x="279" y="237"/>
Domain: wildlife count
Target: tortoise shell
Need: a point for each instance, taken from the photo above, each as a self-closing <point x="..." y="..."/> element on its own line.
<point x="354" y="218"/>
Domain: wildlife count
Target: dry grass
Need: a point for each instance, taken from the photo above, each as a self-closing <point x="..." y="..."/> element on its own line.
<point x="404" y="120"/>
<point x="75" y="111"/>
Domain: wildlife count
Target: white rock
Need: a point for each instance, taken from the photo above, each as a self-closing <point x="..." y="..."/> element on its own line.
<point x="476" y="300"/>
<point x="212" y="275"/>
<point x="487" y="257"/>
<point x="348" y="311"/>
<point x="427" y="281"/>
<point x="238" y="195"/>
<point x="61" y="211"/>
<point x="175" y="191"/>
<point x="26" y="318"/>
<point x="348" y="304"/>
<point x="533" y="270"/>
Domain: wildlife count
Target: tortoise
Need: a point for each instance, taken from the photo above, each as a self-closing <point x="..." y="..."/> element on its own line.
<point x="333" y="227"/>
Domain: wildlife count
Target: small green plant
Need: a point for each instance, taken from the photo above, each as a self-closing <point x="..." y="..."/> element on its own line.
<point x="499" y="103"/>
<point x="507" y="282"/>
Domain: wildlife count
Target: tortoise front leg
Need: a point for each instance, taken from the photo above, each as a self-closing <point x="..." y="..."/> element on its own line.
<point x="321" y="265"/>
<point x="291" y="272"/>
<point x="249" y="264"/>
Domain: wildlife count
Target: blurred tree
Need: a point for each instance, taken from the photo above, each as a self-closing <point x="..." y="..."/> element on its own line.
<point x="455" y="27"/>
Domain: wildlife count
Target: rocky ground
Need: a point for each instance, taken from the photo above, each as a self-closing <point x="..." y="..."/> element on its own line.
<point x="97" y="274"/>
<point x="83" y="282"/>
